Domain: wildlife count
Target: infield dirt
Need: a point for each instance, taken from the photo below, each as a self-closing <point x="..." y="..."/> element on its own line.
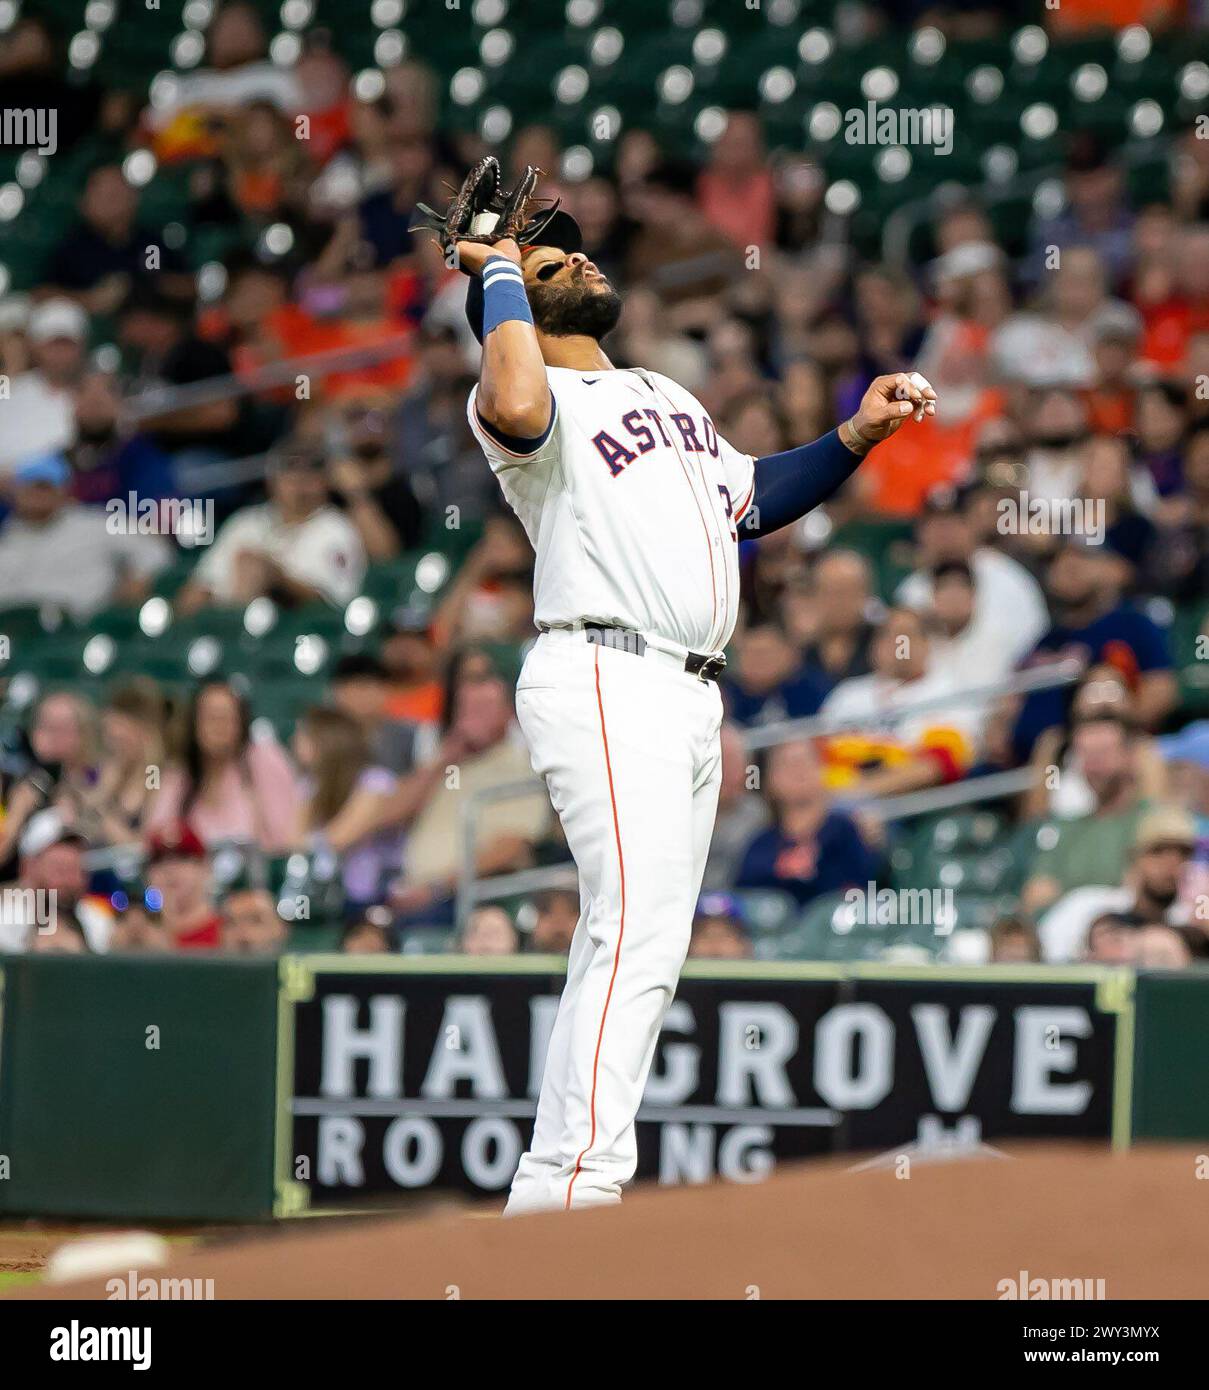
<point x="955" y="1229"/>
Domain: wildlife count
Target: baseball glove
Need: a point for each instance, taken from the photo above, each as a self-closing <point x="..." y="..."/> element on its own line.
<point x="481" y="211"/>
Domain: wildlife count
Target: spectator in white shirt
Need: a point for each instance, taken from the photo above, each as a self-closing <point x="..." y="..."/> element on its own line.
<point x="295" y="548"/>
<point x="954" y="642"/>
<point x="55" y="551"/>
<point x="236" y="72"/>
<point x="39" y="415"/>
<point x="906" y="725"/>
<point x="1009" y="616"/>
<point x="49" y="889"/>
<point x="1149" y="892"/>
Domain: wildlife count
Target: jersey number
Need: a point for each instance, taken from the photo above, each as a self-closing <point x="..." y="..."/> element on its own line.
<point x="730" y="510"/>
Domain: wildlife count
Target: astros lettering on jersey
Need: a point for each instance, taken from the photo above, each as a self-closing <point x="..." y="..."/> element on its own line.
<point x="631" y="505"/>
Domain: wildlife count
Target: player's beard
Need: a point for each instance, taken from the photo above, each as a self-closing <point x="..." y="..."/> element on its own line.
<point x="588" y="309"/>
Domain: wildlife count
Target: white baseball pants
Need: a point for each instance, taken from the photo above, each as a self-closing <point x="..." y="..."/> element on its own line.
<point x="628" y="746"/>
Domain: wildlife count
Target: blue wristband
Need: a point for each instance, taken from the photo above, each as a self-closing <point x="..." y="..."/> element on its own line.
<point x="504" y="297"/>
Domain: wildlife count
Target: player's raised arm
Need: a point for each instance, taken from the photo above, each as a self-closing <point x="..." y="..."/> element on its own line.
<point x="514" y="393"/>
<point x="790" y="484"/>
<point x="484" y="227"/>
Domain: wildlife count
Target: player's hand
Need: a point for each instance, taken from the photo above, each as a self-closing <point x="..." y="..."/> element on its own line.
<point x="472" y="255"/>
<point x="889" y="402"/>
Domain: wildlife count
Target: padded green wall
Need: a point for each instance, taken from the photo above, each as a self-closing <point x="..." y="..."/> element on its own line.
<point x="97" y="1121"/>
<point x="1171" y="1056"/>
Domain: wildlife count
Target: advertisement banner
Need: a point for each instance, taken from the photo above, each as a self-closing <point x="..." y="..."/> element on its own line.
<point x="423" y="1073"/>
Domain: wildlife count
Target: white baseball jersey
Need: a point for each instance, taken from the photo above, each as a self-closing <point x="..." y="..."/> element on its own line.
<point x="631" y="504"/>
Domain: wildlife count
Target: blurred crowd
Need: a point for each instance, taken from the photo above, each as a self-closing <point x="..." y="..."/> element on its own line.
<point x="310" y="384"/>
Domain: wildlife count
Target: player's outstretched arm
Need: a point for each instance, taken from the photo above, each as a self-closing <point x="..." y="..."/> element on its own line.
<point x="789" y="485"/>
<point x="514" y="393"/>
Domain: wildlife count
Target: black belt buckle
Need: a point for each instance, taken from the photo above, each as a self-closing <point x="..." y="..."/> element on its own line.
<point x="705" y="668"/>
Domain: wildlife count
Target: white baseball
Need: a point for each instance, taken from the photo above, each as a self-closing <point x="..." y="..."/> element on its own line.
<point x="922" y="382"/>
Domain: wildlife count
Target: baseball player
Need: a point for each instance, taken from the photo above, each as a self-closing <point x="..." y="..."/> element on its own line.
<point x="634" y="505"/>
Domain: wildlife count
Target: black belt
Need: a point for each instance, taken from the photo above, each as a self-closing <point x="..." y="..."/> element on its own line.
<point x="624" y="639"/>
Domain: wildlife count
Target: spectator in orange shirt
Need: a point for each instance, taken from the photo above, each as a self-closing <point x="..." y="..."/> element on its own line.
<point x="323" y="78"/>
<point x="250" y="320"/>
<point x="1116" y="333"/>
<point x="736" y="189"/>
<point x="412" y="663"/>
<point x="266" y="166"/>
<point x="351" y="309"/>
<point x="973" y="299"/>
<point x="1079" y="16"/>
<point x="1171" y="322"/>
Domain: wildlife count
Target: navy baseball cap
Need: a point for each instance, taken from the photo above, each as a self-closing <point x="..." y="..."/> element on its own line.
<point x="562" y="231"/>
<point x="721" y="905"/>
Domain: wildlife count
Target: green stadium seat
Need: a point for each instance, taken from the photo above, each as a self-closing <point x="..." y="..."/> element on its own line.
<point x="886" y="544"/>
<point x="224" y="624"/>
<point x="826" y="931"/>
<point x="311" y="891"/>
<point x="385" y="580"/>
<point x="167" y="198"/>
<point x="1011" y="218"/>
<point x="1192" y="669"/>
<point x="966" y="830"/>
<point x="309" y="938"/>
<point x="282" y="701"/>
<point x="170" y="580"/>
<point x="1149" y="180"/>
<point x="980" y="911"/>
<point x="966" y="852"/>
<point x="119" y="623"/>
<point x="767" y="911"/>
<point x="54" y="659"/>
<point x="986" y="872"/>
<point x="32" y="624"/>
<point x="506" y="658"/>
<point x="428" y="941"/>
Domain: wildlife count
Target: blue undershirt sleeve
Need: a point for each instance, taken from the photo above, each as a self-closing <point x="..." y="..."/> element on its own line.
<point x="790" y="484"/>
